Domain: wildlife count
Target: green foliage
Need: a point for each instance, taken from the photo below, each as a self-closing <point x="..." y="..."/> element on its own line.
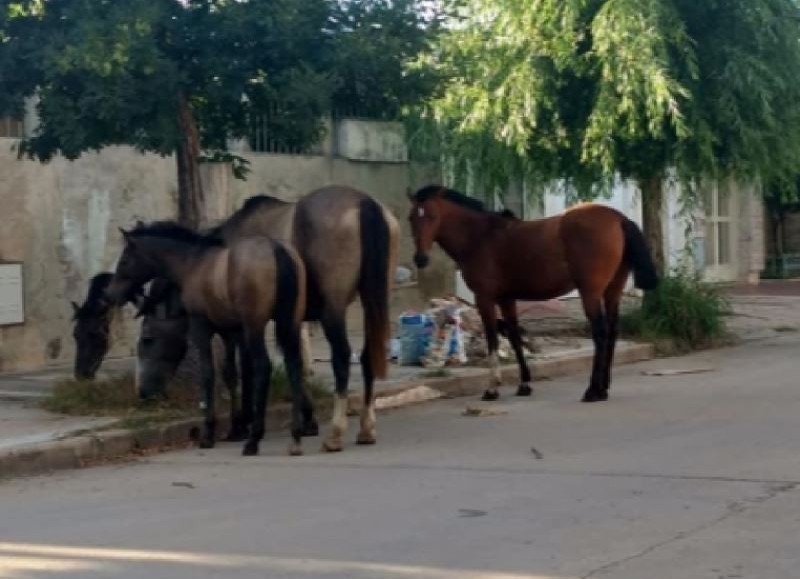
<point x="116" y="396"/>
<point x="582" y="90"/>
<point x="114" y="71"/>
<point x="683" y="309"/>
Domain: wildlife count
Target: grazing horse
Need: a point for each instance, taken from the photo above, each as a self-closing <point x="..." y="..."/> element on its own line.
<point x="348" y="243"/>
<point x="92" y="327"/>
<point x="503" y="259"/>
<point x="238" y="287"/>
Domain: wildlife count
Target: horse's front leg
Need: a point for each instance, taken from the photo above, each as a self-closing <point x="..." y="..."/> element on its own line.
<point x="509" y="310"/>
<point x="486" y="308"/>
<point x="201" y="335"/>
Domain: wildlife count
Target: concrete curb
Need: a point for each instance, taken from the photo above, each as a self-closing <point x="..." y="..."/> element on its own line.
<point x="98" y="446"/>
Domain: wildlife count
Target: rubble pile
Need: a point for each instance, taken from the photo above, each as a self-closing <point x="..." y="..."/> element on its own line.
<point x="448" y="333"/>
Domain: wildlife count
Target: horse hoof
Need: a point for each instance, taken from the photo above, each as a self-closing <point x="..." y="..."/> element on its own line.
<point x="206" y="443"/>
<point x="295" y="449"/>
<point x="366" y="438"/>
<point x="524" y="390"/>
<point x="311" y="429"/>
<point x="490" y="395"/>
<point x="595" y="397"/>
<point x="250" y="448"/>
<point x="332" y="445"/>
<point x="235" y="436"/>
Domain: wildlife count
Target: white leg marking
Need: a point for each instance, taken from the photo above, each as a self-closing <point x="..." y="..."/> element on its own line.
<point x="339" y="421"/>
<point x="494" y="369"/>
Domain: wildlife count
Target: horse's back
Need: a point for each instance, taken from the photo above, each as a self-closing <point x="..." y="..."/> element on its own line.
<point x="327" y="233"/>
<point x="594" y="242"/>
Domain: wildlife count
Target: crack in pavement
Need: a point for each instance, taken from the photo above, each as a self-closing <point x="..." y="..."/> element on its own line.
<point x="734" y="509"/>
<point x="477" y="470"/>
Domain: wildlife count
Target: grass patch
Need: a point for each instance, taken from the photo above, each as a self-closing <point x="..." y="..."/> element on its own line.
<point x="117" y="397"/>
<point x="786" y="329"/>
<point x="683" y="310"/>
<point x="436" y="373"/>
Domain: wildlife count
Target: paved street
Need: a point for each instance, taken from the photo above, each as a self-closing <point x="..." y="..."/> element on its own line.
<point x="681" y="476"/>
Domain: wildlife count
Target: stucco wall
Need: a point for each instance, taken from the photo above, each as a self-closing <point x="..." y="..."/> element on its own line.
<point x="61" y="220"/>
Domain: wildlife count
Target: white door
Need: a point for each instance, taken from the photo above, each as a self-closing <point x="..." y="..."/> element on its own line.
<point x="720" y="233"/>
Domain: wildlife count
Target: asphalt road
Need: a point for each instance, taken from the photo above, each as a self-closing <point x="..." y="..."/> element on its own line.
<point x="688" y="476"/>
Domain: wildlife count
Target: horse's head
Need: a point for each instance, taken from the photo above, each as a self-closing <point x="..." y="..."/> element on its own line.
<point x="134" y="269"/>
<point x="425" y="218"/>
<point x="91" y="320"/>
<point x="162" y="340"/>
<point x="91" y="333"/>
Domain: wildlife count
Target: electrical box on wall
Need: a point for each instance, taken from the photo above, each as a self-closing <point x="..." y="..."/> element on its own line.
<point x="12" y="304"/>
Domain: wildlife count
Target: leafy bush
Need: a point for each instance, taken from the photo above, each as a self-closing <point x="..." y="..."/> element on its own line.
<point x="683" y="309"/>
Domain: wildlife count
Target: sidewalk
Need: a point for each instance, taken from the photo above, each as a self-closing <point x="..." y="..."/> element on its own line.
<point x="35" y="441"/>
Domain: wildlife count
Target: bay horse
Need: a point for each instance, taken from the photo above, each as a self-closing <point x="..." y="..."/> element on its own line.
<point x="591" y="248"/>
<point x="348" y="243"/>
<point x="233" y="287"/>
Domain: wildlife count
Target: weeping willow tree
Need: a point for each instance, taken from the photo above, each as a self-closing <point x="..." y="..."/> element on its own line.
<point x="583" y="91"/>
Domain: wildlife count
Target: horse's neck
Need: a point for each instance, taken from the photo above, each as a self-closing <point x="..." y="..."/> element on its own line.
<point x="464" y="232"/>
<point x="175" y="258"/>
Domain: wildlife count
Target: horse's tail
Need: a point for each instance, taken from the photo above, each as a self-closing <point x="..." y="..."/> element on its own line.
<point x="373" y="282"/>
<point x="290" y="299"/>
<point x="637" y="254"/>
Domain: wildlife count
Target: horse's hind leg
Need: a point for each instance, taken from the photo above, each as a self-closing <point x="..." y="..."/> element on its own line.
<point x="238" y="429"/>
<point x="509" y="311"/>
<point x="611" y="300"/>
<point x="201" y="335"/>
<point x="487" y="312"/>
<point x="594" y="313"/>
<point x="288" y="337"/>
<point x="336" y="333"/>
<point x="367" y="434"/>
<point x="262" y="372"/>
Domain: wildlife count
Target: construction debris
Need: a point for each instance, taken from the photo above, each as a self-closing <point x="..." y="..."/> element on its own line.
<point x="449" y="333"/>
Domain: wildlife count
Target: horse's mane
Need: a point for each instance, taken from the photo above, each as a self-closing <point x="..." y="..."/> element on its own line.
<point x="174" y="231"/>
<point x="454" y="196"/>
<point x="97" y="288"/>
<point x="249" y="207"/>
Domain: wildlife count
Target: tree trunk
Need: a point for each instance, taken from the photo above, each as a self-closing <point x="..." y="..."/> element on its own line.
<point x="652" y="203"/>
<point x="191" y="200"/>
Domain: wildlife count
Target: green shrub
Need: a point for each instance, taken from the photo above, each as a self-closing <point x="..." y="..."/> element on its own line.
<point x="683" y="309"/>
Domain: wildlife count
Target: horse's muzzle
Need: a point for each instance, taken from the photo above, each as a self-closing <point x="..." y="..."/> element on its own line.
<point x="421" y="260"/>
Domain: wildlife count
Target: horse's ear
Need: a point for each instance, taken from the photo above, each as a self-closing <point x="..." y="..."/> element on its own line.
<point x="126" y="235"/>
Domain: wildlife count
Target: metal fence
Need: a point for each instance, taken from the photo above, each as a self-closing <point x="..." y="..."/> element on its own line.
<point x="261" y="136"/>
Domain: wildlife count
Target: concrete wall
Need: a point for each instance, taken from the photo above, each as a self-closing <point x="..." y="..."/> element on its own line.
<point x="61" y="220"/>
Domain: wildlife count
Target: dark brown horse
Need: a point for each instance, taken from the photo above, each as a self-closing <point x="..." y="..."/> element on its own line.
<point x="591" y="248"/>
<point x="238" y="287"/>
<point x="92" y="326"/>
